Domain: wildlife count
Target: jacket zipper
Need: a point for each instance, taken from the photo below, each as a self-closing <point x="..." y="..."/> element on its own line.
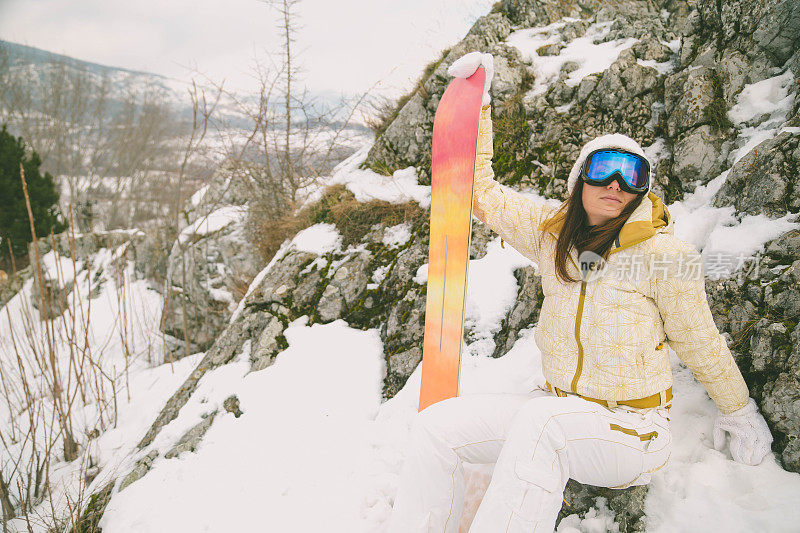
<point x="579" y="366"/>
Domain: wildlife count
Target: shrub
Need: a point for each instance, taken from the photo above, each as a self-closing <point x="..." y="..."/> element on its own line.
<point x="15" y="232"/>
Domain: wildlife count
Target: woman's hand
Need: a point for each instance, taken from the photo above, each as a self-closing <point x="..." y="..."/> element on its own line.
<point x="750" y="435"/>
<point x="466" y="65"/>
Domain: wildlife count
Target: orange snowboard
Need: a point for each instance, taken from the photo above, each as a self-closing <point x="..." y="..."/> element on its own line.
<point x="455" y="139"/>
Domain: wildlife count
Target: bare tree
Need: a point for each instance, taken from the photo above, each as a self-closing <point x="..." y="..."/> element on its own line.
<point x="102" y="139"/>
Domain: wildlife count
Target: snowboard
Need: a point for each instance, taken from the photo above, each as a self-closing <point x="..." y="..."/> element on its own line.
<point x="455" y="139"/>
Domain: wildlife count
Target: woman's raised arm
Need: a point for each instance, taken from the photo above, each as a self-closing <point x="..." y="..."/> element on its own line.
<point x="513" y="216"/>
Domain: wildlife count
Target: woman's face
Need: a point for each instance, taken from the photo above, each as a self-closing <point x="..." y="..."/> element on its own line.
<point x="604" y="202"/>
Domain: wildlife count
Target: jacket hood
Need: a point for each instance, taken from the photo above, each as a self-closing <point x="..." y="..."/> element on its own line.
<point x="613" y="140"/>
<point x="649" y="218"/>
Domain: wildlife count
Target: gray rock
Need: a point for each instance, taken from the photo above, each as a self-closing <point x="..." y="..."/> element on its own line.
<point x="404" y="363"/>
<point x="696" y="156"/>
<point x="267" y="346"/>
<point x="524" y="313"/>
<point x="552" y="49"/>
<point x="779" y="33"/>
<point x="231" y="405"/>
<point x="189" y="440"/>
<point x="331" y="304"/>
<point x="585" y="87"/>
<point x="733" y="71"/>
<point x="627" y="504"/>
<point x="348" y="283"/>
<point x="781" y="408"/>
<point x="50" y="296"/>
<point x="204" y="276"/>
<point x="785" y="247"/>
<point x="143" y="466"/>
<point x="481" y="235"/>
<point x="767" y="345"/>
<point x="762" y="182"/>
<point x="509" y="72"/>
<point x="688" y="93"/>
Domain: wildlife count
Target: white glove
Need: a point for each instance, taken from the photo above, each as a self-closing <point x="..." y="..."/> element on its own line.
<point x="466" y="65"/>
<point x="750" y="435"/>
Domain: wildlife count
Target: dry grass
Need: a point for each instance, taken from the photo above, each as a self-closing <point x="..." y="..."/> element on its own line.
<point x="337" y="206"/>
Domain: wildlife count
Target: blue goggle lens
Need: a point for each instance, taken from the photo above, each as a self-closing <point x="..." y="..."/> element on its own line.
<point x="634" y="169"/>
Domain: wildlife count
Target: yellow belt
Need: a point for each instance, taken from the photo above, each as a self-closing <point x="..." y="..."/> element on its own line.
<point x="655" y="400"/>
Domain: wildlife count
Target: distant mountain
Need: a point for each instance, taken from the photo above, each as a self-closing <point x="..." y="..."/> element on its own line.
<point x="21" y="55"/>
<point x="39" y="62"/>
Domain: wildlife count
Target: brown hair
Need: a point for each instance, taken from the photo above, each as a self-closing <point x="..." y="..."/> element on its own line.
<point x="575" y="230"/>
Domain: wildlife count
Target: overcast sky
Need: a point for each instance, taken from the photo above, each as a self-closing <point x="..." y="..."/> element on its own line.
<point x="343" y="45"/>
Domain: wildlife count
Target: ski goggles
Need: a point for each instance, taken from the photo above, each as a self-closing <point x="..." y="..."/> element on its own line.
<point x="605" y="165"/>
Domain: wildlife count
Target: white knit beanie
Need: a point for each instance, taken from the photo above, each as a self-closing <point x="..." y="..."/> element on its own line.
<point x="613" y="140"/>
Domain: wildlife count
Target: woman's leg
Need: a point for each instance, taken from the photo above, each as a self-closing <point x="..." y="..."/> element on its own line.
<point x="468" y="429"/>
<point x="553" y="439"/>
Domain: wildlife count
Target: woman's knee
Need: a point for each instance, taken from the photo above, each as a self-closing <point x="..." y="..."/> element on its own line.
<point x="433" y="421"/>
<point x="537" y="412"/>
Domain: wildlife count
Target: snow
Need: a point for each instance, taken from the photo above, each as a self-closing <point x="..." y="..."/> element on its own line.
<point x="662" y="68"/>
<point x="564" y="108"/>
<point x="491" y="291"/>
<point x="763" y="98"/>
<point x="421" y="275"/>
<point x="705" y="490"/>
<point x="744" y="238"/>
<point x="58" y="267"/>
<point x="761" y="109"/>
<point x="723" y="240"/>
<point x="299" y="458"/>
<point x="315" y="435"/>
<point x="378" y="276"/>
<point x="591" y="55"/>
<point x="656" y="151"/>
<point x="398" y="235"/>
<point x="401" y="187"/>
<point x="212" y="223"/>
<point x="597" y="520"/>
<point x="109" y="334"/>
<point x="198" y="196"/>
<point x="318" y="239"/>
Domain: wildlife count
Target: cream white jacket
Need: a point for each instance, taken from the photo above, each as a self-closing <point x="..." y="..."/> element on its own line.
<point x="606" y="338"/>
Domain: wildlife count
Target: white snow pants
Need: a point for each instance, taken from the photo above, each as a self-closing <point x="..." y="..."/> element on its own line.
<point x="538" y="442"/>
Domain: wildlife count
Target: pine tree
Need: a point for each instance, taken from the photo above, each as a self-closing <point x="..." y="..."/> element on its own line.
<point x="14" y="224"/>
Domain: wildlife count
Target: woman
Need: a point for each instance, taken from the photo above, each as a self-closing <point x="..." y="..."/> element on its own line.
<point x="603" y="332"/>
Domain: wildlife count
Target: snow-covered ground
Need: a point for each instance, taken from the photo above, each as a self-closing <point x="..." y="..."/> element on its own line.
<point x="106" y="348"/>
